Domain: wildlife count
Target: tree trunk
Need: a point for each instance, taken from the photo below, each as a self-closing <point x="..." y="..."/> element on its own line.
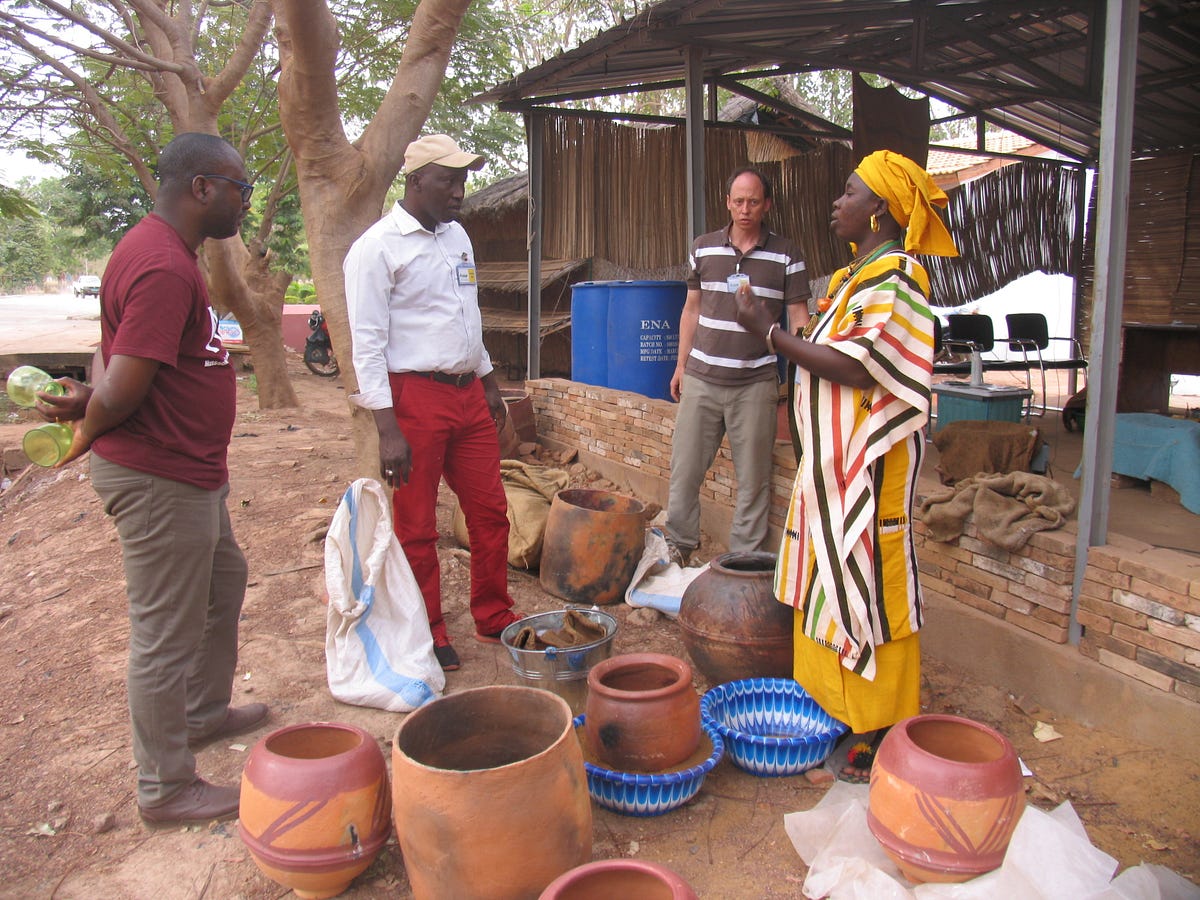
<point x="343" y="186"/>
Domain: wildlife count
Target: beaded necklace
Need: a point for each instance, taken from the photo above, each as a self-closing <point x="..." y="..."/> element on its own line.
<point x="841" y="277"/>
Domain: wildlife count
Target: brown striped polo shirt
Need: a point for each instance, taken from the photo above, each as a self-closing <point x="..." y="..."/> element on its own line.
<point x="723" y="352"/>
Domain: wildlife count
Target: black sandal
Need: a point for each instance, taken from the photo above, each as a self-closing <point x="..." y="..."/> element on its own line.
<point x="861" y="756"/>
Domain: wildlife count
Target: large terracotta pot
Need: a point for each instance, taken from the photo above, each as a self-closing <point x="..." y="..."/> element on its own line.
<point x="946" y="795"/>
<point x="489" y="794"/>
<point x="643" y="714"/>
<point x="632" y="879"/>
<point x="731" y="623"/>
<point x="594" y="540"/>
<point x="315" y="807"/>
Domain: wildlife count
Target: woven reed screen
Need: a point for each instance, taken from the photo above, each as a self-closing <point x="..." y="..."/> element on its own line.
<point x="1162" y="257"/>
<point x="1011" y="222"/>
<point x="616" y="193"/>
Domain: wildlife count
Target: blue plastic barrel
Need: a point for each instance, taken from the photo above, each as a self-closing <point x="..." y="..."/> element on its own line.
<point x="643" y="335"/>
<point x="589" y="332"/>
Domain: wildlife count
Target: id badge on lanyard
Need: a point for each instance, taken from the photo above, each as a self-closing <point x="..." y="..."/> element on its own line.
<point x="465" y="272"/>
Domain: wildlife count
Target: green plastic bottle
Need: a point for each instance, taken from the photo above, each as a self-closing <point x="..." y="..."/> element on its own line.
<point x="24" y="382"/>
<point x="47" y="444"/>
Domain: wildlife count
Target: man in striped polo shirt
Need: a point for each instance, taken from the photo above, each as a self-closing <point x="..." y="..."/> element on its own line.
<point x="726" y="381"/>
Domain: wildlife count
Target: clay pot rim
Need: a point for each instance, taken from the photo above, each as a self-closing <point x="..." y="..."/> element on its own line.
<point x="682" y="670"/>
<point x="616" y="776"/>
<point x="567" y="732"/>
<point x="360" y="732"/>
<point x="669" y="878"/>
<point x="721" y="563"/>
<point x="638" y="507"/>
<point x="1006" y="747"/>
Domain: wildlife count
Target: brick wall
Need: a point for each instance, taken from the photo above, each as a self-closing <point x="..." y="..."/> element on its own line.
<point x="1139" y="605"/>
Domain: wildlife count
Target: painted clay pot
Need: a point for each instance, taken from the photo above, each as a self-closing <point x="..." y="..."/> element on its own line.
<point x="629" y="878"/>
<point x="946" y="795"/>
<point x="731" y="623"/>
<point x="643" y="714"/>
<point x="520" y="410"/>
<point x="490" y="794"/>
<point x="593" y="542"/>
<point x="315" y="806"/>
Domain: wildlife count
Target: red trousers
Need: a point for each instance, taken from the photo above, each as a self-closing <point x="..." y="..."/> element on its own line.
<point x="452" y="435"/>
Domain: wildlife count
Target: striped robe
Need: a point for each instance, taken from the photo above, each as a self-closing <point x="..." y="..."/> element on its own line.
<point x="847" y="560"/>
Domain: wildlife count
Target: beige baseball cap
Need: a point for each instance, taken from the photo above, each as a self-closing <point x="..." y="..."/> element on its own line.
<point x="440" y="149"/>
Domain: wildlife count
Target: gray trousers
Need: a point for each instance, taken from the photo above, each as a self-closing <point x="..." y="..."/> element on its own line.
<point x="186" y="579"/>
<point x="707" y="412"/>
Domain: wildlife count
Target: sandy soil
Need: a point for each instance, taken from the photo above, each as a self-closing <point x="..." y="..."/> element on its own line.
<point x="68" y="822"/>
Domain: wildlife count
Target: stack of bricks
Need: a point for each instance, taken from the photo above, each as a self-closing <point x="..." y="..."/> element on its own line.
<point x="623" y="427"/>
<point x="1030" y="588"/>
<point x="1140" y="609"/>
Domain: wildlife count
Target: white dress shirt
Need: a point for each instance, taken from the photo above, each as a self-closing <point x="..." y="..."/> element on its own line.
<point x="413" y="304"/>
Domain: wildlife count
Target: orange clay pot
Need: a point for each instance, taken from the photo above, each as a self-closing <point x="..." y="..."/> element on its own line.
<point x="315" y="806"/>
<point x="594" y="540"/>
<point x="490" y="794"/>
<point x="632" y="879"/>
<point x="946" y="795"/>
<point x="643" y="714"/>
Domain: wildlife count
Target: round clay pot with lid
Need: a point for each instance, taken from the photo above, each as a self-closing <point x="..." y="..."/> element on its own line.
<point x="731" y="623"/>
<point x="315" y="808"/>
<point x="605" y="879"/>
<point x="946" y="795"/>
<point x="643" y="714"/>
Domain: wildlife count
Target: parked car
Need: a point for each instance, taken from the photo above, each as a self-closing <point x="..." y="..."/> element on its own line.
<point x="87" y="285"/>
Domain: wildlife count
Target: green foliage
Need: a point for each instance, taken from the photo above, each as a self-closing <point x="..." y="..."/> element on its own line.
<point x="300" y="292"/>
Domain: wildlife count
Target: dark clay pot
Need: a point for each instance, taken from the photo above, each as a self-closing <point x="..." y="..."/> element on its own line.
<point x="490" y="794"/>
<point x="315" y="809"/>
<point x="593" y="542"/>
<point x="731" y="623"/>
<point x="946" y="796"/>
<point x="643" y="714"/>
<point x="634" y="879"/>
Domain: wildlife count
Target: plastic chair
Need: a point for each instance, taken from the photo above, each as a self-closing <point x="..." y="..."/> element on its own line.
<point x="1029" y="333"/>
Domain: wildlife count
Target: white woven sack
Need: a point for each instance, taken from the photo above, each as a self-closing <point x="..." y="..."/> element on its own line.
<point x="378" y="649"/>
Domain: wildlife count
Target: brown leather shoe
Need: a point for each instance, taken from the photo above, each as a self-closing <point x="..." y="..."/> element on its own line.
<point x="197" y="803"/>
<point x="238" y="720"/>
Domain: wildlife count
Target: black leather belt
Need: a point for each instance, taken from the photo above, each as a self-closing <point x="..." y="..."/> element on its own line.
<point x="459" y="381"/>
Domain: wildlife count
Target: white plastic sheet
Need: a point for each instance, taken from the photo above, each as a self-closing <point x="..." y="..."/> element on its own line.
<point x="1049" y="858"/>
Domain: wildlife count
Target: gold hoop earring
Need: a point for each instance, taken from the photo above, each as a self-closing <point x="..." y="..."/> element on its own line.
<point x="874" y="222"/>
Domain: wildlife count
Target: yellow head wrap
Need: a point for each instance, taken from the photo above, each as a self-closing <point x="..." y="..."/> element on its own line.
<point x="911" y="196"/>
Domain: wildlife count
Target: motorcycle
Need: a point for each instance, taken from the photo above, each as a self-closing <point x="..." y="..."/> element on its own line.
<point x="318" y="348"/>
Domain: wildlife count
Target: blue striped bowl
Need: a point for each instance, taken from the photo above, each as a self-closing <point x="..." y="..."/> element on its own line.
<point x="771" y="726"/>
<point x="649" y="794"/>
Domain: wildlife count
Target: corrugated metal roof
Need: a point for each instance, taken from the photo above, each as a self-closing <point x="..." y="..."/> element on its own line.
<point x="1032" y="67"/>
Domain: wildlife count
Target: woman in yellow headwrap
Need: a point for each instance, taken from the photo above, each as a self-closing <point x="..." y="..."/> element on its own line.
<point x="847" y="561"/>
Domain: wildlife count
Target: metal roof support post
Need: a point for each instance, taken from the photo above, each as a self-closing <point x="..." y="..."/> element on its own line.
<point x="535" y="128"/>
<point x="1112" y="222"/>
<point x="694" y="137"/>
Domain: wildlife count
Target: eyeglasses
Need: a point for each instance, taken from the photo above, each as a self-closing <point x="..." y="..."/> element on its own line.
<point x="246" y="189"/>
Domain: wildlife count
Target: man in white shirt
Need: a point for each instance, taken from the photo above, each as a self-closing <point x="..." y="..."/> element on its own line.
<point x="424" y="373"/>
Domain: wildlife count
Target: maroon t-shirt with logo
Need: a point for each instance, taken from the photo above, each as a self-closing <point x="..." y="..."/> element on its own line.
<point x="154" y="305"/>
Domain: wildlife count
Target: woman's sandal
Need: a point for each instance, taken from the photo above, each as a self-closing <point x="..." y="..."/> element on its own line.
<point x="860" y="758"/>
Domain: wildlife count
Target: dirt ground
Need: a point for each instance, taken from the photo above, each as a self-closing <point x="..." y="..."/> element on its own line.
<point x="68" y="823"/>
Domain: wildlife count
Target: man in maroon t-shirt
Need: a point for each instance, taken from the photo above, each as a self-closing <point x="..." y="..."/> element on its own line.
<point x="158" y="420"/>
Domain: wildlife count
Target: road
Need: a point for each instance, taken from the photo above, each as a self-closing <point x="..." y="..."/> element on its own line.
<point x="55" y="331"/>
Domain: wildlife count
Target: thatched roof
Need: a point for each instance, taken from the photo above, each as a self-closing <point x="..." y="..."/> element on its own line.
<point x="498" y="199"/>
<point x="514" y="276"/>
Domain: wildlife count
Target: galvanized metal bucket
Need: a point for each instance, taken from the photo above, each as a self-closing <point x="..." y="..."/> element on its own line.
<point x="562" y="671"/>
